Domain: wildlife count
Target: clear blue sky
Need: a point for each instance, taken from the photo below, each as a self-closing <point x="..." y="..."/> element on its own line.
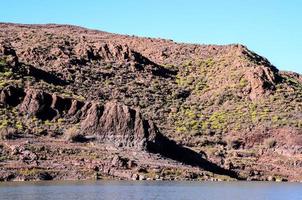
<point x="272" y="28"/>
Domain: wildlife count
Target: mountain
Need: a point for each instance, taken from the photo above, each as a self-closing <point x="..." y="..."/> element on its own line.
<point x="80" y="104"/>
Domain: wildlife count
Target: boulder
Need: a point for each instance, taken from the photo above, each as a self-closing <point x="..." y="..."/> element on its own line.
<point x="117" y="124"/>
<point x="44" y="176"/>
<point x="37" y="103"/>
<point x="262" y="80"/>
<point x="11" y="96"/>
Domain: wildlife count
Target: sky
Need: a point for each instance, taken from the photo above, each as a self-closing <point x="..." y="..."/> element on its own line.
<point x="271" y="28"/>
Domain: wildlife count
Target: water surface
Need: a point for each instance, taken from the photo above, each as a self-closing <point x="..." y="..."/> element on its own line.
<point x="150" y="190"/>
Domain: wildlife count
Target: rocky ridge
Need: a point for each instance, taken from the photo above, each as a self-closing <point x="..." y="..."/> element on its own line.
<point x="138" y="108"/>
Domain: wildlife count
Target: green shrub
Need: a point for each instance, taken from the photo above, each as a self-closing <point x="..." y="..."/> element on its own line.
<point x="2" y="63"/>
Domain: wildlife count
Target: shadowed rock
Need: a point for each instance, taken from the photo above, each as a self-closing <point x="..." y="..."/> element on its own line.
<point x="168" y="148"/>
<point x="40" y="74"/>
<point x="262" y="80"/>
<point x="11" y="96"/>
<point x="38" y="103"/>
<point x="117" y="124"/>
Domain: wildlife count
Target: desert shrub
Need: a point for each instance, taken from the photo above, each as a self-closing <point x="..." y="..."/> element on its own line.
<point x="2" y="63"/>
<point x="235" y="144"/>
<point x="8" y="133"/>
<point x="19" y="125"/>
<point x="270" y="142"/>
<point x="72" y="134"/>
<point x="4" y="123"/>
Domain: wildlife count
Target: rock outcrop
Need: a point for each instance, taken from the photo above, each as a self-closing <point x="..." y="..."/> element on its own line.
<point x="38" y="103"/>
<point x="262" y="81"/>
<point x="11" y="96"/>
<point x="118" y="124"/>
<point x="112" y="123"/>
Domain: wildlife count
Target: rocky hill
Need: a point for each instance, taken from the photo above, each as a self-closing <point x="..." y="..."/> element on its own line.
<point x="80" y="104"/>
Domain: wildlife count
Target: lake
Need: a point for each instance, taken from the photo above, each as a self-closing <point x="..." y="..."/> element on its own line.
<point x="150" y="190"/>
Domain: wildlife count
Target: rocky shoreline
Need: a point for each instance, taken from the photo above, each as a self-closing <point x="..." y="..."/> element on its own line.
<point x="94" y="162"/>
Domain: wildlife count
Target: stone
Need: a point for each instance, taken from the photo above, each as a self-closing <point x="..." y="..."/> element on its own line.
<point x="271" y="178"/>
<point x="119" y="162"/>
<point x="44" y="176"/>
<point x="117" y="124"/>
<point x="11" y="96"/>
<point x="135" y="177"/>
<point x="142" y="177"/>
<point x="38" y="103"/>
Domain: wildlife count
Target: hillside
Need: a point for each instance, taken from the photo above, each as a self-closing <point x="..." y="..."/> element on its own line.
<point x="80" y="104"/>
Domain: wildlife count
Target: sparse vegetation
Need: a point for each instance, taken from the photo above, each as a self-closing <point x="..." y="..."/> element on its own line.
<point x="220" y="100"/>
<point x="270" y="143"/>
<point x="8" y="133"/>
<point x="72" y="134"/>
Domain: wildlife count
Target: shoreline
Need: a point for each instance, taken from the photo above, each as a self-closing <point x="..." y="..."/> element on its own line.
<point x="106" y="179"/>
<point x="84" y="182"/>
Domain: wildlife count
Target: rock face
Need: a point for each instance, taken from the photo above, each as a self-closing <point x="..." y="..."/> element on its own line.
<point x="262" y="80"/>
<point x="107" y="52"/>
<point x="117" y="124"/>
<point x="9" y="53"/>
<point x="38" y="103"/>
<point x="113" y="122"/>
<point x="11" y="96"/>
<point x="261" y="75"/>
